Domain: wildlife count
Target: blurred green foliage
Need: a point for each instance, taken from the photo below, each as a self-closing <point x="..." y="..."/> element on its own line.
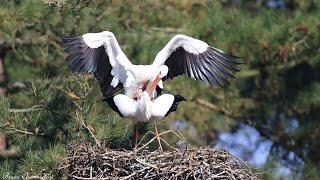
<point x="279" y="77"/>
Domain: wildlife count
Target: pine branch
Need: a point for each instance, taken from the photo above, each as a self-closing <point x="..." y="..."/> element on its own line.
<point x="206" y="104"/>
<point x="14" y="130"/>
<point x="248" y="73"/>
<point x="213" y="107"/>
<point x="58" y="3"/>
<point x="167" y="30"/>
<point x="33" y="108"/>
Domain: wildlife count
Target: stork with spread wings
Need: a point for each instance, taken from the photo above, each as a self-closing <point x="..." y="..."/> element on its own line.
<point x="100" y="54"/>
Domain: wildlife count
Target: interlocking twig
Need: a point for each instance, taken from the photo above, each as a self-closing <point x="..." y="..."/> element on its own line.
<point x="93" y="162"/>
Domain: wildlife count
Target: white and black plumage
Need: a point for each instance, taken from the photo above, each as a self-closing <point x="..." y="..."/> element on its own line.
<point x="144" y="109"/>
<point x="100" y="53"/>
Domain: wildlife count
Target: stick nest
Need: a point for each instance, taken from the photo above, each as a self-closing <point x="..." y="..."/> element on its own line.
<point x="91" y="162"/>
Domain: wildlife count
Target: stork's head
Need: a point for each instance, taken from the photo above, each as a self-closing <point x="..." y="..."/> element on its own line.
<point x="163" y="71"/>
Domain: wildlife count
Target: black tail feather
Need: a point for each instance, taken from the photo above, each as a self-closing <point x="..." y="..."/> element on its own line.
<point x="113" y="106"/>
<point x="177" y="99"/>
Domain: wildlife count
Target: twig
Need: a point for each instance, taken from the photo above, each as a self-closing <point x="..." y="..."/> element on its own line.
<point x="94" y="137"/>
<point x="176" y="149"/>
<point x="128" y="177"/>
<point x="14" y="129"/>
<point x="24" y="132"/>
<point x="144" y="136"/>
<point x="151" y="140"/>
<point x="242" y="162"/>
<point x="147" y="164"/>
<point x="77" y="177"/>
<point x="33" y="108"/>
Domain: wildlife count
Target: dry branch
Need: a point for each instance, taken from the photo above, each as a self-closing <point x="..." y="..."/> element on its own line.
<point x="33" y="108"/>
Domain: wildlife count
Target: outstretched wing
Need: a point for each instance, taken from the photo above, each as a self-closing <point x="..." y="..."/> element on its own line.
<point x="99" y="53"/>
<point x="198" y="60"/>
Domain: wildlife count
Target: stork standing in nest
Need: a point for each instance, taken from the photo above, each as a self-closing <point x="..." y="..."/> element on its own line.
<point x="100" y="54"/>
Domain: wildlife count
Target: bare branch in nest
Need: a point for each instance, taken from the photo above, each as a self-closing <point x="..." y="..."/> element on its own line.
<point x="151" y="140"/>
<point x="91" y="162"/>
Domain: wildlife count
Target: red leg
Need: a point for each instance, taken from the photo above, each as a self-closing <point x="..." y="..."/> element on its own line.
<point x="158" y="137"/>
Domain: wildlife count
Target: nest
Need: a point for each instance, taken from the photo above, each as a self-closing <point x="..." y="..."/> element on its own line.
<point x="90" y="162"/>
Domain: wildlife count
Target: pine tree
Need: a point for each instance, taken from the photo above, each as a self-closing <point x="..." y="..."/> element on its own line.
<point x="277" y="87"/>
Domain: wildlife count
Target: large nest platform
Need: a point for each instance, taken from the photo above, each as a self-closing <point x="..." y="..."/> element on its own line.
<point x="91" y="162"/>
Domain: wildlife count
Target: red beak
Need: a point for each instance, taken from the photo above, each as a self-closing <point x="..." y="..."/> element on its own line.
<point x="155" y="83"/>
<point x="144" y="87"/>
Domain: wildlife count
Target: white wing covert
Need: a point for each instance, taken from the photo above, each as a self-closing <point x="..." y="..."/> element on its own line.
<point x="100" y="54"/>
<point x="198" y="60"/>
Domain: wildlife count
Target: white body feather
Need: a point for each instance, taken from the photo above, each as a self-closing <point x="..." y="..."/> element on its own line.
<point x="144" y="109"/>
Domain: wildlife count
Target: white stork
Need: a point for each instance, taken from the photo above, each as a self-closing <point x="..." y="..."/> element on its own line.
<point x="100" y="53"/>
<point x="145" y="108"/>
